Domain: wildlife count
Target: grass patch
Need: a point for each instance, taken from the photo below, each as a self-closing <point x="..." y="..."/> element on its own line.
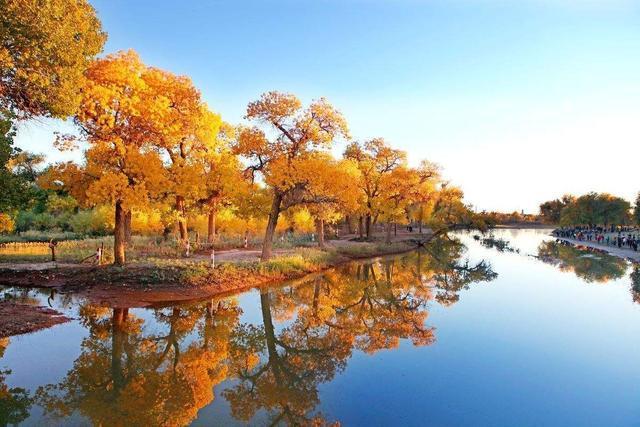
<point x="66" y="251"/>
<point x="370" y="249"/>
<point x="306" y="261"/>
<point x="73" y="251"/>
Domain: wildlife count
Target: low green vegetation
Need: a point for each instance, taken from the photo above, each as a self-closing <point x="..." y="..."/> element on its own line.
<point x="368" y="249"/>
<point x="33" y="236"/>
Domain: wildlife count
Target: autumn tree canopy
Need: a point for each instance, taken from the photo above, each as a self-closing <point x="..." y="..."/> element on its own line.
<point x="376" y="160"/>
<point x="117" y="113"/>
<point x="222" y="184"/>
<point x="186" y="131"/>
<point x="45" y="48"/>
<point x="296" y="137"/>
<point x="551" y="210"/>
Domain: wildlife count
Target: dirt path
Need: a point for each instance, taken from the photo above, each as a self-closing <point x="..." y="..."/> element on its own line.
<point x="611" y="250"/>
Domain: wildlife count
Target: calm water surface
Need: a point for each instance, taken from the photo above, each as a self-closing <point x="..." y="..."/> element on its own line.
<point x="465" y="332"/>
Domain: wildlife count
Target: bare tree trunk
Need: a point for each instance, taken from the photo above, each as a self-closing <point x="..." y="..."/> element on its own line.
<point x="349" y="225"/>
<point x="127" y="227"/>
<point x="119" y="237"/>
<point x="211" y="226"/>
<point x="182" y="222"/>
<point x="367" y="225"/>
<point x="388" y="238"/>
<point x="420" y="226"/>
<point x="395" y="229"/>
<point x="267" y="245"/>
<point x="360" y="227"/>
<point x="320" y="232"/>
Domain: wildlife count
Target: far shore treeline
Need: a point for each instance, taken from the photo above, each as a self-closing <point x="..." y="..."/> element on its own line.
<point x="591" y="209"/>
<point x="159" y="161"/>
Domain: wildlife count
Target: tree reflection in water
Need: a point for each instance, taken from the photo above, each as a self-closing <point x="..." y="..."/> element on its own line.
<point x="15" y="402"/>
<point x="635" y="283"/>
<point x="366" y="306"/>
<point x="124" y="377"/>
<point x="448" y="273"/>
<point x="130" y="374"/>
<point x="589" y="266"/>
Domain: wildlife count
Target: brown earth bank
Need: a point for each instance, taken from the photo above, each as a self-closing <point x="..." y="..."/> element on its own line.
<point x="16" y="319"/>
<point x="144" y="285"/>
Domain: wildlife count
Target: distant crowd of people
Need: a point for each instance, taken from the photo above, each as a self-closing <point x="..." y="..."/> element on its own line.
<point x="621" y="236"/>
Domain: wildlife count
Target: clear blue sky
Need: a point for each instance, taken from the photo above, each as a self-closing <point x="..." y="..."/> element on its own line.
<point x="519" y="101"/>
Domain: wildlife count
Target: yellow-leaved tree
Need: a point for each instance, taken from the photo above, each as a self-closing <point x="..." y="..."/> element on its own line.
<point x="424" y="198"/>
<point x="45" y="47"/>
<point x="223" y="183"/>
<point x="375" y="160"/>
<point x="401" y="189"/>
<point x="292" y="158"/>
<point x="117" y="114"/>
<point x="334" y="193"/>
<point x="451" y="213"/>
<point x="186" y="131"/>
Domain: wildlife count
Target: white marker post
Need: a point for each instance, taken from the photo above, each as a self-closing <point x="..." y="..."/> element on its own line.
<point x="213" y="257"/>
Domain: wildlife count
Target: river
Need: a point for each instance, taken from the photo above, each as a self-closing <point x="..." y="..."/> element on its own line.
<point x="465" y="332"/>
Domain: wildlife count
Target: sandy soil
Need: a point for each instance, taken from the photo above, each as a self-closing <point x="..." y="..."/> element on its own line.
<point x="18" y="319"/>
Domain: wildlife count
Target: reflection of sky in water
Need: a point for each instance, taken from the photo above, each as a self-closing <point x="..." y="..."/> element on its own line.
<point x="536" y="346"/>
<point x="525" y="240"/>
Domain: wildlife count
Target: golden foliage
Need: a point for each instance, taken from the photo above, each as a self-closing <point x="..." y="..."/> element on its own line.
<point x="6" y="223"/>
<point x="44" y="50"/>
<point x="292" y="163"/>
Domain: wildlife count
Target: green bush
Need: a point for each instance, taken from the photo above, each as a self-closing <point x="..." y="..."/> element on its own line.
<point x="44" y="221"/>
<point x="82" y="222"/>
<point x="39" y="236"/>
<point x="24" y="221"/>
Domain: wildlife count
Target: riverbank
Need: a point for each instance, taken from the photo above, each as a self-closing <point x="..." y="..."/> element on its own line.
<point x="16" y="319"/>
<point x="159" y="281"/>
<point x="611" y="250"/>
